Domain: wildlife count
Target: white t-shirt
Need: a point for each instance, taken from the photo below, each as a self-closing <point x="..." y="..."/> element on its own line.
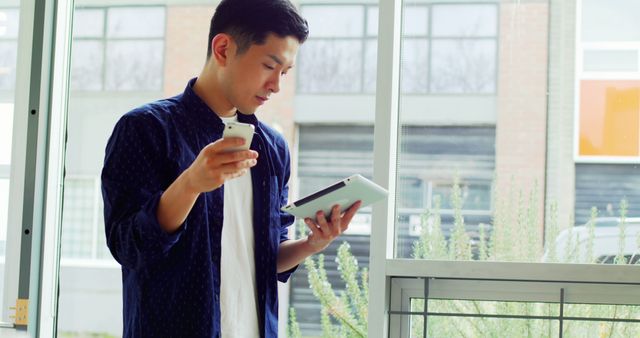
<point x="238" y="294"/>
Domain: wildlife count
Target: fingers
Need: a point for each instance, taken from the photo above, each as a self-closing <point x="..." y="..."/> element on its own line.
<point x="332" y="227"/>
<point x="348" y="215"/>
<point x="313" y="227"/>
<point x="220" y="148"/>
<point x="225" y="143"/>
<point x="236" y="156"/>
<point x="335" y="220"/>
<point x="322" y="222"/>
<point x="237" y="168"/>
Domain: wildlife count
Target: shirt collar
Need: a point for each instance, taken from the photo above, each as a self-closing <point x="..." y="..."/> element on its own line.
<point x="203" y="115"/>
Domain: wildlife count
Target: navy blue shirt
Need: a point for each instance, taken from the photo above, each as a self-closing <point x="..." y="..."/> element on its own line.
<point x="171" y="282"/>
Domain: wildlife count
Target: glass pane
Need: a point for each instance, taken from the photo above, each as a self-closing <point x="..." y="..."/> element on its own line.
<point x="415" y="66"/>
<point x="79" y="218"/>
<point x="602" y="311"/>
<point x="372" y="21"/>
<point x="406" y="326"/>
<point x="134" y="65"/>
<point x="124" y="22"/>
<point x="492" y="327"/>
<point x="609" y="118"/>
<point x="463" y="66"/>
<point x="415" y="21"/>
<point x="347" y="22"/>
<point x="330" y="66"/>
<point x="9" y="18"/>
<point x="464" y="20"/>
<point x="615" y="20"/>
<point x="610" y="61"/>
<point x="6" y="128"/>
<point x="370" y="65"/>
<point x="9" y="24"/>
<point x="595" y="329"/>
<point x="607" y="227"/>
<point x="8" y="58"/>
<point x="87" y="60"/>
<point x="88" y="23"/>
<point x="113" y="52"/>
<point x="4" y="213"/>
<point x="337" y="80"/>
<point x="131" y="56"/>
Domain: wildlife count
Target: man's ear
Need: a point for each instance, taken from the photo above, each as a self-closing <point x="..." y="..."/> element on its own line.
<point x="222" y="46"/>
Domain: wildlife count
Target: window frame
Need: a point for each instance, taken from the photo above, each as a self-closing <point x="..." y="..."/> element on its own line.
<point x="581" y="75"/>
<point x="39" y="152"/>
<point x="365" y="38"/>
<point x="104" y="40"/>
<point x="383" y="265"/>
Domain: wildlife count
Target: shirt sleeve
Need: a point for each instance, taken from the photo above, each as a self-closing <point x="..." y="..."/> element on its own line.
<point x="286" y="219"/>
<point x="132" y="183"/>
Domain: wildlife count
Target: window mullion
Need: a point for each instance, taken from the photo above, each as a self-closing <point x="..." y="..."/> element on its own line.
<point x="385" y="159"/>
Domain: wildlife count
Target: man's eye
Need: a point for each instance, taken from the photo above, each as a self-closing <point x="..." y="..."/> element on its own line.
<point x="283" y="73"/>
<point x="268" y="67"/>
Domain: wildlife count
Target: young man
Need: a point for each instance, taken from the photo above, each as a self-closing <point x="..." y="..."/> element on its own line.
<point x="198" y="231"/>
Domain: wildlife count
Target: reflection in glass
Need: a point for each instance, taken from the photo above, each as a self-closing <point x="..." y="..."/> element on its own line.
<point x="134" y="65"/>
<point x="464" y="20"/>
<point x="415" y="21"/>
<point x="610" y="60"/>
<point x="463" y="66"/>
<point x="125" y="22"/>
<point x="87" y="65"/>
<point x="415" y="66"/>
<point x="610" y="20"/>
<point x="330" y="66"/>
<point x="9" y="25"/>
<point x="348" y="21"/>
<point x="88" y="23"/>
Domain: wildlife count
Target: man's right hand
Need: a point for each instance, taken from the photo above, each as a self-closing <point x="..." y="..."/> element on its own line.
<point x="215" y="165"/>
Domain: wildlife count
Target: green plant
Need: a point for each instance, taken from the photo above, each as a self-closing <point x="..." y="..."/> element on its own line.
<point x="346" y="315"/>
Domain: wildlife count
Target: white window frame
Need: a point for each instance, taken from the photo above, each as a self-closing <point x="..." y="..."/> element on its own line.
<point x="104" y="40"/>
<point x="587" y="278"/>
<point x="44" y="26"/>
<point x="590" y="75"/>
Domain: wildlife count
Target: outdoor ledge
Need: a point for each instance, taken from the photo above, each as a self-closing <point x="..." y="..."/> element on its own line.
<point x="513" y="271"/>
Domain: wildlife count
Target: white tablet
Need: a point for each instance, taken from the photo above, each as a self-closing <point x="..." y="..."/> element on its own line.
<point x="345" y="193"/>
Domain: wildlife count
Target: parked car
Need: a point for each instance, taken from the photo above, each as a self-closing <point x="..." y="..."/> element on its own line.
<point x="572" y="245"/>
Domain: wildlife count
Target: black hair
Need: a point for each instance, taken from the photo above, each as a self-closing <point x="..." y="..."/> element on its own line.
<point x="251" y="21"/>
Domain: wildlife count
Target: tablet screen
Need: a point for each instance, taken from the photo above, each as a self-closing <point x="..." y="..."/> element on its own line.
<point x="319" y="194"/>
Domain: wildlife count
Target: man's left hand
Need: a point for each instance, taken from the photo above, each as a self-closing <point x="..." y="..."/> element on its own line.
<point x="324" y="231"/>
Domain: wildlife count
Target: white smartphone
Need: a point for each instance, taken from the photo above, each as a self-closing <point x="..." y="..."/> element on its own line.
<point x="238" y="129"/>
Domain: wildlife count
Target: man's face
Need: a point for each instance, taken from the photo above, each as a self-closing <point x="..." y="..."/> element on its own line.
<point x="252" y="77"/>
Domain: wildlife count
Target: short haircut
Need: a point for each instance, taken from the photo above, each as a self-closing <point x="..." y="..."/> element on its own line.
<point x="251" y="21"/>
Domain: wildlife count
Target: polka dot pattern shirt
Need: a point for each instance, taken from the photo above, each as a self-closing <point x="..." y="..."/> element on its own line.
<point x="171" y="282"/>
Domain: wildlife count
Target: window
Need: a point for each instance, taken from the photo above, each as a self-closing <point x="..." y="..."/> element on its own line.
<point x="490" y="140"/>
<point x="9" y="19"/>
<point x="83" y="236"/>
<point x="502" y="200"/>
<point x="8" y="47"/>
<point x="446" y="49"/>
<point x="114" y="51"/>
<point x="609" y="81"/>
<point x="608" y="111"/>
<point x="333" y="59"/>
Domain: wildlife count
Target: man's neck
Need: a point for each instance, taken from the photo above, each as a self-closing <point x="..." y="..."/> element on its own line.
<point x="207" y="88"/>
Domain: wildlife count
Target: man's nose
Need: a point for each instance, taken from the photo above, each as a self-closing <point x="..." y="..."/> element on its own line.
<point x="274" y="83"/>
